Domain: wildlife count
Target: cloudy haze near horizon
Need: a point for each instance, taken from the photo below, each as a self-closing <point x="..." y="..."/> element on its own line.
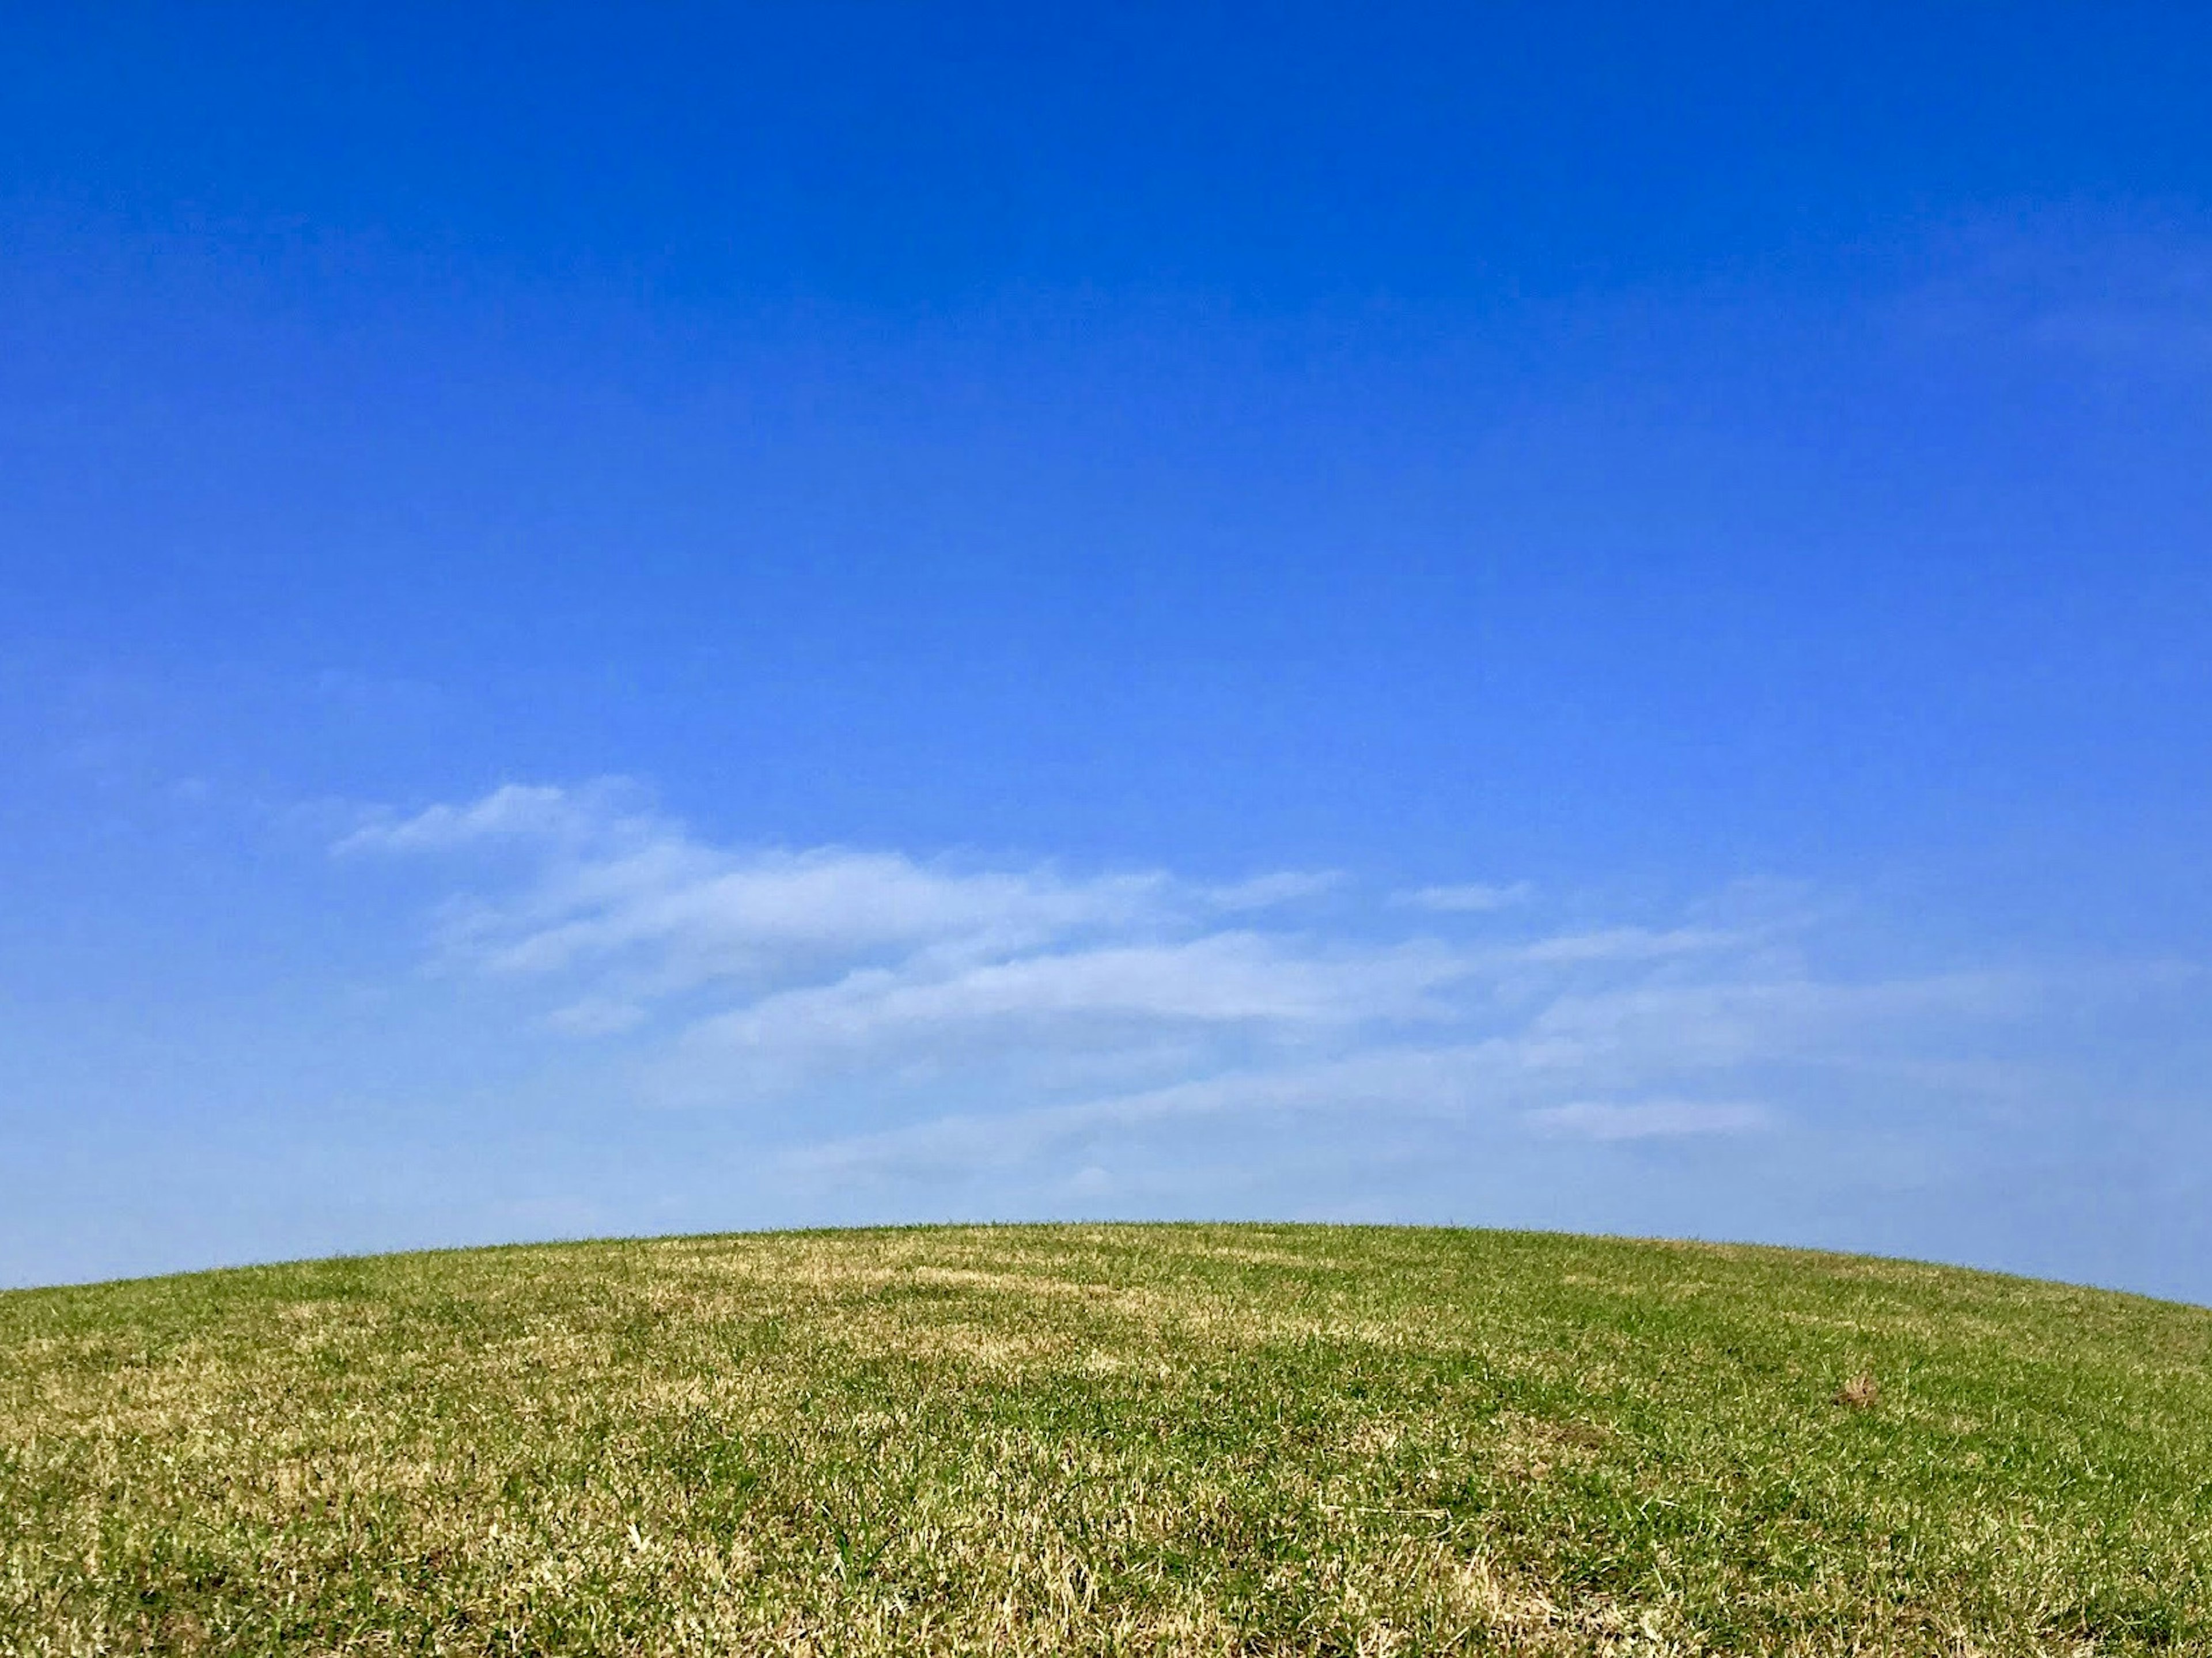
<point x="782" y="616"/>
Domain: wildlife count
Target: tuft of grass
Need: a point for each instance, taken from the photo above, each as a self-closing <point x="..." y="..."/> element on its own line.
<point x="1104" y="1439"/>
<point x="1861" y="1392"/>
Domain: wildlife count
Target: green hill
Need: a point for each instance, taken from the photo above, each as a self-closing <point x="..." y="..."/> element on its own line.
<point x="1138" y="1439"/>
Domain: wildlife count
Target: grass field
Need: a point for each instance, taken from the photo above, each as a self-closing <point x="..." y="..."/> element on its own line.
<point x="1201" y="1439"/>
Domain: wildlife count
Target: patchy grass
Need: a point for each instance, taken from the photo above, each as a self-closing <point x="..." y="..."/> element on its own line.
<point x="1174" y="1439"/>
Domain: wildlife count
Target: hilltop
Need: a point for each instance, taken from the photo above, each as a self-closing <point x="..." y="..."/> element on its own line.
<point x="1130" y="1439"/>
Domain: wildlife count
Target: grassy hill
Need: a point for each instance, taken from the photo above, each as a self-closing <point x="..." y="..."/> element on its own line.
<point x="1223" y="1439"/>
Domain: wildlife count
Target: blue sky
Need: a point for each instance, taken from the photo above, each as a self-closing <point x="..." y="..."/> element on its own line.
<point x="717" y="617"/>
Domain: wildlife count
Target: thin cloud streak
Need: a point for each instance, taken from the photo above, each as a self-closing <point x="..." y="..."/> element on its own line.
<point x="878" y="1016"/>
<point x="1468" y="898"/>
<point x="1606" y="1120"/>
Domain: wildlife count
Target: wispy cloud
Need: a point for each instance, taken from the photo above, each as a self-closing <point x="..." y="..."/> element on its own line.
<point x="1639" y="1119"/>
<point x="1221" y="977"/>
<point x="1468" y="898"/>
<point x="1626" y="943"/>
<point x="514" y="812"/>
<point x="1447" y="1080"/>
<point x="895" y="1015"/>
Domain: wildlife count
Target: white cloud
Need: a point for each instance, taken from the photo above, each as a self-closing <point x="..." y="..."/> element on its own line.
<point x="513" y="811"/>
<point x="1223" y="978"/>
<point x="709" y="913"/>
<point x="616" y="888"/>
<point x="596" y="1016"/>
<point x="1468" y="898"/>
<point x="1605" y="1120"/>
<point x="1755" y="1012"/>
<point x="890" y="1013"/>
<point x="1435" y="1080"/>
<point x="1626" y="943"/>
<point x="1268" y="892"/>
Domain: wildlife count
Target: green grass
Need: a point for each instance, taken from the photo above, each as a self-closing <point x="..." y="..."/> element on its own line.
<point x="1232" y="1439"/>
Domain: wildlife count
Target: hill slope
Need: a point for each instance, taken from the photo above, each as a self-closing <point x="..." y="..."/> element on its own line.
<point x="1126" y="1439"/>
